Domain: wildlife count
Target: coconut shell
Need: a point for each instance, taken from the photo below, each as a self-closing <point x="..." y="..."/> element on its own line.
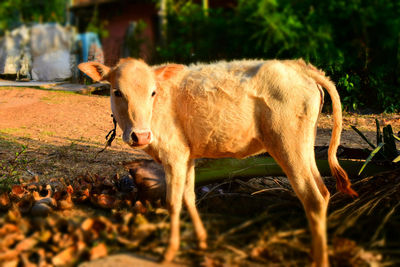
<point x="25" y="204"/>
<point x="5" y="202"/>
<point x="65" y="204"/>
<point x="7" y="229"/>
<point x="41" y="210"/>
<point x="65" y="257"/>
<point x="64" y="198"/>
<point x="82" y="195"/>
<point x="18" y="192"/>
<point x="104" y="201"/>
<point x="51" y="202"/>
<point x="98" y="251"/>
<point x="149" y="178"/>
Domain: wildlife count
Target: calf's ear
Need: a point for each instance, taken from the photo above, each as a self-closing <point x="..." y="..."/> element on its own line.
<point x="166" y="72"/>
<point x="94" y="70"/>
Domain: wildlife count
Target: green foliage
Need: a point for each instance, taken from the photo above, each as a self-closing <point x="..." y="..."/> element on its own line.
<point x="10" y="170"/>
<point x="283" y="29"/>
<point x="356" y="42"/>
<point x="351" y="87"/>
<point x="193" y="36"/>
<point x="15" y="12"/>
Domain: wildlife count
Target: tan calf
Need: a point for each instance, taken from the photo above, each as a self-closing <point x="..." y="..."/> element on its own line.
<point x="227" y="109"/>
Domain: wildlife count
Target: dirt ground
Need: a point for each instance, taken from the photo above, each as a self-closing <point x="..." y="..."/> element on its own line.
<point x="63" y="133"/>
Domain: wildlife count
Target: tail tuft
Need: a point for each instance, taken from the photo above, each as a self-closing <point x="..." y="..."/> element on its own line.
<point x="343" y="183"/>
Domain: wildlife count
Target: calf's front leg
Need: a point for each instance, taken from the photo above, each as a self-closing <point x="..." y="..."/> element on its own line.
<point x="189" y="198"/>
<point x="175" y="176"/>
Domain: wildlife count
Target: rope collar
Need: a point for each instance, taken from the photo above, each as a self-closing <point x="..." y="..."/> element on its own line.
<point x="110" y="136"/>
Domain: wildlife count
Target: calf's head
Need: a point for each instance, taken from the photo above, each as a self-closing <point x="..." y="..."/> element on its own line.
<point x="133" y="90"/>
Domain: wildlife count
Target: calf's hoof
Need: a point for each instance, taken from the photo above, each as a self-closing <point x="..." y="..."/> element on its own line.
<point x="169" y="255"/>
<point x="322" y="264"/>
<point x="203" y="245"/>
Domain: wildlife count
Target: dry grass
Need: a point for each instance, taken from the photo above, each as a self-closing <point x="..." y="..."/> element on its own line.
<point x="362" y="232"/>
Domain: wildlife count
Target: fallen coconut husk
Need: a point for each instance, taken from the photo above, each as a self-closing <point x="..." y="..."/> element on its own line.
<point x="149" y="179"/>
<point x="17" y="192"/>
<point x="249" y="221"/>
<point x="5" y="202"/>
<point x="63" y="198"/>
<point x="40" y="209"/>
<point x="25" y="204"/>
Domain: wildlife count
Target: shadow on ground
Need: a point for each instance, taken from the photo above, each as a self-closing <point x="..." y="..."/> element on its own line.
<point x="67" y="160"/>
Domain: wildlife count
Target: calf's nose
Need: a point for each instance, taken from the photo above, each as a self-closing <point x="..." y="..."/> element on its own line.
<point x="141" y="138"/>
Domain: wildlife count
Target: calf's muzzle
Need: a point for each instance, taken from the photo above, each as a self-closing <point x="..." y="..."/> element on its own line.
<point x="141" y="138"/>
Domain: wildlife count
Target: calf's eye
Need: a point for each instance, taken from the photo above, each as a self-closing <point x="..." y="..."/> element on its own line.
<point x="117" y="93"/>
<point x="153" y="94"/>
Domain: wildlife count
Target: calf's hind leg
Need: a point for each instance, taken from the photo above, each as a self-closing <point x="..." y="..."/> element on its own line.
<point x="298" y="162"/>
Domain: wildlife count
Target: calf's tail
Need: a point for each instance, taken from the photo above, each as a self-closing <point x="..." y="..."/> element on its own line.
<point x="343" y="183"/>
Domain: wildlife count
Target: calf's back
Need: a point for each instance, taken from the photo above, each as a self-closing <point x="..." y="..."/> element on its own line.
<point x="224" y="108"/>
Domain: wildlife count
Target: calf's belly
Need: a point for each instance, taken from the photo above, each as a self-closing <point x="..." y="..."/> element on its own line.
<point x="218" y="140"/>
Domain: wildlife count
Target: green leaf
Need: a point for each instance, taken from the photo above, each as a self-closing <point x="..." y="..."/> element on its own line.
<point x="362" y="136"/>
<point x="396" y="159"/>
<point x="373" y="153"/>
<point x="396" y="137"/>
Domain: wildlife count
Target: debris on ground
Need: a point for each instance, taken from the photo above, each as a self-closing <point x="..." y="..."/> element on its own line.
<point x="253" y="221"/>
<point x="37" y="227"/>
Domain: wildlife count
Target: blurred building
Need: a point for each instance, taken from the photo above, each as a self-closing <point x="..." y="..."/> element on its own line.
<point x="117" y="16"/>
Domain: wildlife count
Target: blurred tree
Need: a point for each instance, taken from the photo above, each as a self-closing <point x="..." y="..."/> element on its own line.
<point x="15" y="12"/>
<point x="356" y="42"/>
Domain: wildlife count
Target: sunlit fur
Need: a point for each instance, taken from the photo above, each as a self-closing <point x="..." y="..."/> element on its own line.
<point x="230" y="109"/>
